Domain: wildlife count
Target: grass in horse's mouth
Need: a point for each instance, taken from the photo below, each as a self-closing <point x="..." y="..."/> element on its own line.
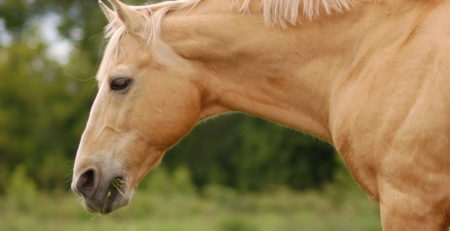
<point x="116" y="185"/>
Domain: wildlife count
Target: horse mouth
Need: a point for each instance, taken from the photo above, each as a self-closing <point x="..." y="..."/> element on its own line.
<point x="116" y="189"/>
<point x="105" y="201"/>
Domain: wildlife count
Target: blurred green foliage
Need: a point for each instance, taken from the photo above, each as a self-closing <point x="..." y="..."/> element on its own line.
<point x="44" y="105"/>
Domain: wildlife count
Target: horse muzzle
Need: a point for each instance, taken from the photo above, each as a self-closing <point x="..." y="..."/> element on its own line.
<point x="102" y="194"/>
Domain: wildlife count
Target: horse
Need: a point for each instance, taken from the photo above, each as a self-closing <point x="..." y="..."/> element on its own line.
<point x="370" y="77"/>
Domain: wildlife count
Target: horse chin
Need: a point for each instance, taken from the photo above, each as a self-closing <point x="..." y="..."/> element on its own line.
<point x="109" y="202"/>
<point x="107" y="206"/>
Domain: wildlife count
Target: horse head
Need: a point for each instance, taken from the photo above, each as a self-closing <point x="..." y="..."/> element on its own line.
<point x="147" y="101"/>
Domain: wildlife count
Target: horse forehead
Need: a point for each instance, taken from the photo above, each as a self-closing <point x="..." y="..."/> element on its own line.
<point x="131" y="46"/>
<point x="139" y="59"/>
<point x="133" y="52"/>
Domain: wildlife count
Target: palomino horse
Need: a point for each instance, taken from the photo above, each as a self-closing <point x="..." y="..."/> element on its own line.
<point x="370" y="77"/>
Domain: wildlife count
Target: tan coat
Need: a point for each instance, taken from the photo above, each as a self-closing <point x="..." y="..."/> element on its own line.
<point x="374" y="81"/>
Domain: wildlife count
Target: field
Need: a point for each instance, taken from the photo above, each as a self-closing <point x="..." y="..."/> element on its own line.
<point x="181" y="208"/>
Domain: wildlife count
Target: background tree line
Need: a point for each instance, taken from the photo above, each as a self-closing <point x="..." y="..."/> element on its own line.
<point x="45" y="100"/>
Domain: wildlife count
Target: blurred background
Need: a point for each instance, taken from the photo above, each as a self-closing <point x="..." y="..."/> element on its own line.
<point x="233" y="173"/>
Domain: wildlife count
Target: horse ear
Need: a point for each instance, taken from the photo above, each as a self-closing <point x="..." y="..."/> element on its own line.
<point x="128" y="15"/>
<point x="110" y="14"/>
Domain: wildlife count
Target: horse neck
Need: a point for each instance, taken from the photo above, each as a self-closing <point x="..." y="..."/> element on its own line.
<point x="288" y="75"/>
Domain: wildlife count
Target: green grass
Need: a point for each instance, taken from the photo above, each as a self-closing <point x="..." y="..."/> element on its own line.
<point x="216" y="209"/>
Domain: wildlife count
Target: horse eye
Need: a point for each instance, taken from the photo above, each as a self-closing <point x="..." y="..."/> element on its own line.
<point x="120" y="83"/>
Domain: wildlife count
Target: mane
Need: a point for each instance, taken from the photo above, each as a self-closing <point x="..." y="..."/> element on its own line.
<point x="282" y="12"/>
<point x="274" y="12"/>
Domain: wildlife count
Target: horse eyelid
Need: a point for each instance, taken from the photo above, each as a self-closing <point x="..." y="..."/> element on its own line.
<point x="116" y="83"/>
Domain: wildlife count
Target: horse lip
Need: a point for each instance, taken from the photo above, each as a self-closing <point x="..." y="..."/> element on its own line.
<point x="107" y="198"/>
<point x="113" y="196"/>
<point x="90" y="208"/>
<point x="106" y="205"/>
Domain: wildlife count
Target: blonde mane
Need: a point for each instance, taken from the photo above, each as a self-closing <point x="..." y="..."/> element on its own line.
<point x="278" y="12"/>
<point x="275" y="12"/>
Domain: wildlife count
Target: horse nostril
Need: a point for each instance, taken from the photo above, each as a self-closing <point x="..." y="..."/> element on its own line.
<point x="86" y="183"/>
